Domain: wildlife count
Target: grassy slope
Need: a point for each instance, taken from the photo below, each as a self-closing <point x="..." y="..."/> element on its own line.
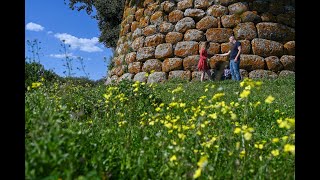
<point x="71" y="132"/>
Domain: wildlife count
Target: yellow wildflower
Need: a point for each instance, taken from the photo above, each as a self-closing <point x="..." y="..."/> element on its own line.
<point x="213" y="115"/>
<point x="237" y="130"/>
<point x="173" y="158"/>
<point x="275" y="140"/>
<point x="245" y="93"/>
<point x="197" y="173"/>
<point x="36" y="84"/>
<point x="284" y="138"/>
<point x="247" y="136"/>
<point x="181" y="136"/>
<point x="275" y="152"/>
<point x="242" y="153"/>
<point x="269" y="99"/>
<point x="182" y="105"/>
<point x="233" y="116"/>
<point x="289" y="148"/>
<point x="203" y="161"/>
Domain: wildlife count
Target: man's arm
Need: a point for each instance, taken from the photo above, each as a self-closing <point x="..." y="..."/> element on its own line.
<point x="224" y="54"/>
<point x="238" y="54"/>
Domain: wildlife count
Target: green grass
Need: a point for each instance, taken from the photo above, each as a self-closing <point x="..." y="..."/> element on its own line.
<point x="142" y="131"/>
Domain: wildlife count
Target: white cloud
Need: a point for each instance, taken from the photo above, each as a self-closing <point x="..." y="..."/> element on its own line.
<point x="34" y="27"/>
<point x="62" y="56"/>
<point x="49" y="32"/>
<point x="83" y="44"/>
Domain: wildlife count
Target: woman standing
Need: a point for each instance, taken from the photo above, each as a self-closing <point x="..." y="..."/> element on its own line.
<point x="202" y="64"/>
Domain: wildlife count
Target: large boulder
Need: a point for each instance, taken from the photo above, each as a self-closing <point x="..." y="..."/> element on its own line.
<point x="206" y="23"/>
<point x="151" y="9"/>
<point x="126" y="76"/>
<point x="174" y="37"/>
<point x="225" y="47"/>
<point x="130" y="19"/>
<point x="262" y="74"/>
<point x="245" y="46"/>
<point x="250" y="16"/>
<point x="184" y="4"/>
<point x="288" y="62"/>
<point x="157" y="18"/>
<point x="111" y="80"/>
<point x="202" y="4"/>
<point x="237" y="8"/>
<point x="225" y="2"/>
<point x="171" y="64"/>
<point x="154" y="40"/>
<point x="144" y="21"/>
<point x="275" y="32"/>
<point x="141" y="76"/>
<point x="119" y="60"/>
<point x="251" y="62"/>
<point x="217" y="10"/>
<point x="138" y="43"/>
<point x="268" y="17"/>
<point x="194" y="13"/>
<point x="163" y="51"/>
<point x="245" y="31"/>
<point x="184" y="24"/>
<point x="147" y="3"/>
<point x="216" y="61"/>
<point x="191" y="63"/>
<point x="145" y="53"/>
<point x="149" y="30"/>
<point x="186" y="48"/>
<point x="230" y="21"/>
<point x="290" y="48"/>
<point x="157" y="77"/>
<point x="285" y="73"/>
<point x="265" y="48"/>
<point x="175" y="16"/>
<point x="166" y="27"/>
<point x="134" y="26"/>
<point x="214" y="48"/>
<point x="180" y="74"/>
<point x="218" y="35"/>
<point x="167" y="6"/>
<point x="152" y="65"/>
<point x="137" y="33"/>
<point x="243" y="73"/>
<point x="193" y="35"/>
<point x="119" y="70"/>
<point x="273" y="63"/>
<point x="139" y="14"/>
<point x="196" y="75"/>
<point x="134" y="67"/>
<point x="130" y="57"/>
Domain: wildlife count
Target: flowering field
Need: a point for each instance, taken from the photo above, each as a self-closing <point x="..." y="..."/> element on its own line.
<point x="190" y="130"/>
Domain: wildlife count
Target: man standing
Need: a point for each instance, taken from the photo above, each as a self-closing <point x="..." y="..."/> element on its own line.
<point x="234" y="52"/>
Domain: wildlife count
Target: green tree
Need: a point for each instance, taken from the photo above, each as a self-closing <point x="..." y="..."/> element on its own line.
<point x="108" y="13"/>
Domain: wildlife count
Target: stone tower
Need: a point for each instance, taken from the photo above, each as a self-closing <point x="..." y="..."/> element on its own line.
<point x="163" y="37"/>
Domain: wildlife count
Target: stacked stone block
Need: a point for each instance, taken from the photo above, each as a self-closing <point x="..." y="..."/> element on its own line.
<point x="163" y="37"/>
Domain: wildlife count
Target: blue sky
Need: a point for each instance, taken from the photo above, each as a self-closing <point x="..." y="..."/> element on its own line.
<point x="50" y="22"/>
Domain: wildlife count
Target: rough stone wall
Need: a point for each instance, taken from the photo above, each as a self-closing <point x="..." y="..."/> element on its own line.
<point x="163" y="37"/>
